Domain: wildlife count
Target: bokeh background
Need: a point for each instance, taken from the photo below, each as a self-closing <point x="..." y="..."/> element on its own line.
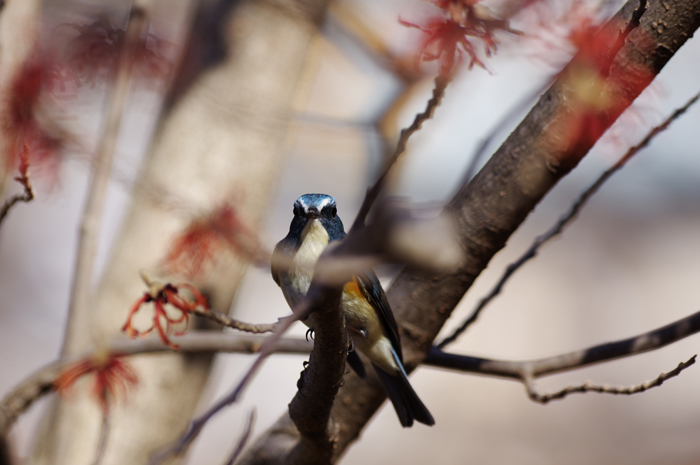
<point x="630" y="263"/>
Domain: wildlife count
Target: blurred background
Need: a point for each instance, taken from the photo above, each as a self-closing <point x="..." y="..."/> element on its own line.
<point x="630" y="263"/>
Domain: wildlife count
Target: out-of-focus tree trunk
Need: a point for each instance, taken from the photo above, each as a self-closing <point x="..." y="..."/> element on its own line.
<point x="224" y="136"/>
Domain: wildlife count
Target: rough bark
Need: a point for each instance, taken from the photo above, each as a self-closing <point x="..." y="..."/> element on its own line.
<point x="223" y="136"/>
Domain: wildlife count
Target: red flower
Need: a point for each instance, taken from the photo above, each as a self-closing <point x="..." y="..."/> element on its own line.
<point x="162" y="295"/>
<point x="598" y="95"/>
<point x="450" y="35"/>
<point x="206" y="237"/>
<point x="21" y="125"/>
<point x="93" y="55"/>
<point x="113" y="376"/>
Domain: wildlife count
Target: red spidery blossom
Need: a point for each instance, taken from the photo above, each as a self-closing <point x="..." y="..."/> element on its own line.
<point x="113" y="376"/>
<point x="204" y="239"/>
<point x="454" y="32"/>
<point x="597" y="95"/>
<point x="23" y="168"/>
<point x="92" y="56"/>
<point x="21" y="125"/>
<point x="161" y="295"/>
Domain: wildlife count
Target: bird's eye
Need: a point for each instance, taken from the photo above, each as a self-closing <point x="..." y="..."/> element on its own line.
<point x="297" y="210"/>
<point x="333" y="211"/>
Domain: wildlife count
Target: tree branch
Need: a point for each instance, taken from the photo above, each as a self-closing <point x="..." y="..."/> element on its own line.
<point x="41" y="382"/>
<point x="563" y="221"/>
<point x="243" y="440"/>
<point x="617" y="390"/>
<point x="498" y="199"/>
<point x="536" y="368"/>
<point x="227" y="321"/>
<point x="374" y="191"/>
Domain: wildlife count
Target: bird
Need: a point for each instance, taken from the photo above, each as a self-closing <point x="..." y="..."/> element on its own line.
<point x="368" y="317"/>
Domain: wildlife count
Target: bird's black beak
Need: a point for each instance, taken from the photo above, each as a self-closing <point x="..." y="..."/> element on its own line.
<point x="313" y="213"/>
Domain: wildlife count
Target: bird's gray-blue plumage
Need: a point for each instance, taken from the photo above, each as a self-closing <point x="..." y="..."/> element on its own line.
<point x="369" y="319"/>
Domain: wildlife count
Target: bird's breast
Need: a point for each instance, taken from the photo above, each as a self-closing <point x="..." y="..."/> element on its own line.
<point x="296" y="280"/>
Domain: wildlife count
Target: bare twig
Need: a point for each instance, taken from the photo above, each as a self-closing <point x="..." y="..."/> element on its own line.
<point x="92" y="214"/>
<point x="23" y="179"/>
<point x="163" y="292"/>
<point x="373" y="191"/>
<point x="564" y="221"/>
<point x="104" y="434"/>
<point x="645" y="342"/>
<point x="233" y="323"/>
<point x="605" y="389"/>
<point x="243" y="440"/>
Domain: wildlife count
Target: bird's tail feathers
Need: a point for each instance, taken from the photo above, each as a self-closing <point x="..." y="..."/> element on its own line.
<point x="406" y="402"/>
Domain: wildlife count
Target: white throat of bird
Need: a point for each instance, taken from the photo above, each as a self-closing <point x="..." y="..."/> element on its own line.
<point x="314" y="240"/>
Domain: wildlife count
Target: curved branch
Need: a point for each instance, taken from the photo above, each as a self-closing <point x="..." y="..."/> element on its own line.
<point x="605" y="389"/>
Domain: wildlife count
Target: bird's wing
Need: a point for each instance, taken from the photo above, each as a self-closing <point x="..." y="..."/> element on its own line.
<point x="281" y="256"/>
<point x="372" y="289"/>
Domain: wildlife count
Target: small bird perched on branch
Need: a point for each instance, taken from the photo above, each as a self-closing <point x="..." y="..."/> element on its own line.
<point x="368" y="317"/>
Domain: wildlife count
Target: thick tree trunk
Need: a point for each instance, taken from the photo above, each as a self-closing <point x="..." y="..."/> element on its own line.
<point x="224" y="136"/>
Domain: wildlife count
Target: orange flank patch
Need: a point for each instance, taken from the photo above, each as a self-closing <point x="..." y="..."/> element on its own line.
<point x="353" y="288"/>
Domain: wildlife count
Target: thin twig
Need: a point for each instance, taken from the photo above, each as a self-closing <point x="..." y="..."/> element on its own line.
<point x="564" y="221"/>
<point x="233" y="323"/>
<point x="373" y="191"/>
<point x="26" y="196"/>
<point x="604" y="389"/>
<point x="104" y="434"/>
<point x="243" y="440"/>
<point x="79" y="308"/>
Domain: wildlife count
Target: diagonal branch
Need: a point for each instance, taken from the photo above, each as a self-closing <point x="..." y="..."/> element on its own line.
<point x="374" y="191"/>
<point x="243" y="440"/>
<point x="564" y="221"/>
